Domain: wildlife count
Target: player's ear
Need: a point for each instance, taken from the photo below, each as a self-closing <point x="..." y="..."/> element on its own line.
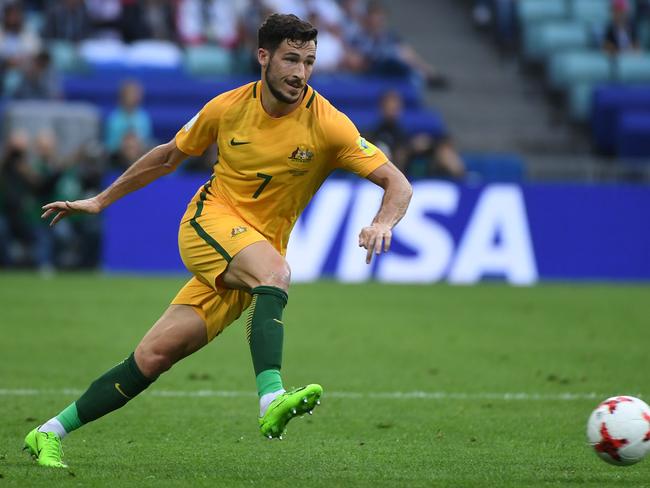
<point x="263" y="56"/>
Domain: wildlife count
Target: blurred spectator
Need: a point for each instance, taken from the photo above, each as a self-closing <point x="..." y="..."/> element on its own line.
<point x="334" y="54"/>
<point x="148" y="19"/>
<point x="211" y="20"/>
<point x="105" y="17"/>
<point x="4" y="235"/>
<point x="67" y="20"/>
<point x="17" y="42"/>
<point x="388" y="54"/>
<point x="128" y="117"/>
<point x="331" y="48"/>
<point x="420" y="155"/>
<point x="130" y="150"/>
<point x="500" y="16"/>
<point x="353" y="12"/>
<point x="24" y="189"/>
<point x="621" y="32"/>
<point x="329" y="11"/>
<point x="296" y="7"/>
<point x="26" y="183"/>
<point x="35" y="80"/>
<point x="76" y="242"/>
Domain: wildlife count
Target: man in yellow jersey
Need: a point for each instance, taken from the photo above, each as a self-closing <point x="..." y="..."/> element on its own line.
<point x="278" y="140"/>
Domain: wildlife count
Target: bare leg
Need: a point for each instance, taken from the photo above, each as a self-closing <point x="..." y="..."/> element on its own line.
<point x="177" y="334"/>
<point x="257" y="265"/>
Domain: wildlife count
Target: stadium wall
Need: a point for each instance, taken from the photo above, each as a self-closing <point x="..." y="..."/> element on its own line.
<point x="520" y="234"/>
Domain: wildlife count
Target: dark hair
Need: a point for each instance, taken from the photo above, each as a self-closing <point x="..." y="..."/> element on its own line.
<point x="278" y="27"/>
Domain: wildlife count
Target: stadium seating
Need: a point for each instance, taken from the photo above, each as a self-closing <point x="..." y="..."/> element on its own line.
<point x="633" y="134"/>
<point x="555" y="36"/>
<point x="592" y="13"/>
<point x="580" y="101"/>
<point x="182" y="95"/>
<point x="633" y="68"/>
<point x="65" y="57"/>
<point x="414" y="121"/>
<point x="609" y="103"/>
<point x="74" y="124"/>
<point x="530" y="11"/>
<point x="566" y="69"/>
<point x="489" y="168"/>
<point x="563" y="36"/>
<point x="207" y="60"/>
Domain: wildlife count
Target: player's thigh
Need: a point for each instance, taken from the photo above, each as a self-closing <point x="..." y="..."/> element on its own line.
<point x="209" y="242"/>
<point x="217" y="306"/>
<point x="257" y="264"/>
<point x="179" y="332"/>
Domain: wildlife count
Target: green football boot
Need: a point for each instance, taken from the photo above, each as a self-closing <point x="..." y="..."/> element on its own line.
<point x="287" y="406"/>
<point x="45" y="447"/>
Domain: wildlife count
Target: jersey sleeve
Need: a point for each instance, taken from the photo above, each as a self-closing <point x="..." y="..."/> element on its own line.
<point x="201" y="130"/>
<point x="351" y="151"/>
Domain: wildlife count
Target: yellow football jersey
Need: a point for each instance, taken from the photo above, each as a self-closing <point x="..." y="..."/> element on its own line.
<point x="269" y="168"/>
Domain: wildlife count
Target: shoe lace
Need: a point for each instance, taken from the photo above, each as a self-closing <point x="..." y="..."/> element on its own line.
<point x="52" y="447"/>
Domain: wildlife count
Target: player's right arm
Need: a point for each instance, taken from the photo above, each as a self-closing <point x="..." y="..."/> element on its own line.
<point x="192" y="140"/>
<point x="161" y="160"/>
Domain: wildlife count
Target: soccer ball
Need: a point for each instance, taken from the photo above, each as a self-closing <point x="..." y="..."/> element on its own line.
<point x="619" y="430"/>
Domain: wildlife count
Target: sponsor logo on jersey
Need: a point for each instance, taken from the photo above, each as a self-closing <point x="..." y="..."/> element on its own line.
<point x="237" y="230"/>
<point x="301" y="155"/>
<point x="366" y="147"/>
<point x="189" y="125"/>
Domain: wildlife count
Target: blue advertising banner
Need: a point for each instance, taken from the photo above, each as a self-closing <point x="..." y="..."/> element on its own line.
<point x="459" y="234"/>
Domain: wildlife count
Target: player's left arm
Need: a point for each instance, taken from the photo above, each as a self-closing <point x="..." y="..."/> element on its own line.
<point x="397" y="194"/>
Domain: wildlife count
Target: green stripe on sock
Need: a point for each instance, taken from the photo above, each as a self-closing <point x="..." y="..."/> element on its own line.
<point x="69" y="418"/>
<point x="268" y="381"/>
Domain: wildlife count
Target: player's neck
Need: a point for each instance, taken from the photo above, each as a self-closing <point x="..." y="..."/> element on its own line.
<point x="274" y="107"/>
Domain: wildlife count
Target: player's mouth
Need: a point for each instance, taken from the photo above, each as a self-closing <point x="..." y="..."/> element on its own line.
<point x="295" y="84"/>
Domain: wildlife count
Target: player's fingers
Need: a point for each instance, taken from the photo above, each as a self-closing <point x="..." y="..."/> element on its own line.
<point x="370" y="247"/>
<point x="387" y="240"/>
<point x="58" y="217"/>
<point x="378" y="244"/>
<point x="47" y="213"/>
<point x="54" y="205"/>
<point x="362" y="240"/>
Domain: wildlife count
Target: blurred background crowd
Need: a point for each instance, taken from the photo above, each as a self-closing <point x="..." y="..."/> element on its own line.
<point x="88" y="86"/>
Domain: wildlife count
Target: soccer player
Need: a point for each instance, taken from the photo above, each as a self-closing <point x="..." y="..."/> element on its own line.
<point x="278" y="140"/>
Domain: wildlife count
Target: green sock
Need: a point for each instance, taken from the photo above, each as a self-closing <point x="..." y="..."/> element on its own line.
<point x="69" y="418"/>
<point x="265" y="332"/>
<point x="107" y="393"/>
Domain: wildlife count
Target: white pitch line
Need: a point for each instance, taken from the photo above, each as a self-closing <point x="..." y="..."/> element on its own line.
<point x="395" y="395"/>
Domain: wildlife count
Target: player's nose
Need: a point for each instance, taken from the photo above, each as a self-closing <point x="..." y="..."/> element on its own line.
<point x="300" y="71"/>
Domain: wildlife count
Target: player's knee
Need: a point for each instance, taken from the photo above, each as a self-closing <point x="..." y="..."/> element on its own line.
<point x="152" y="362"/>
<point x="278" y="275"/>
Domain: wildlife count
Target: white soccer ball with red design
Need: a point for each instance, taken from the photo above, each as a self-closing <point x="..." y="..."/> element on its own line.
<point x="619" y="430"/>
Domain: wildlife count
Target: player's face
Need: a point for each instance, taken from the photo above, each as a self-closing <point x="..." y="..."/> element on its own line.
<point x="287" y="70"/>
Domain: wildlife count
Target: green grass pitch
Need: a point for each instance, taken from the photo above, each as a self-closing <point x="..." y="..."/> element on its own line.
<point x="369" y="346"/>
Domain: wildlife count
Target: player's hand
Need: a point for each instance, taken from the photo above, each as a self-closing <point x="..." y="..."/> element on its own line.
<point x="375" y="238"/>
<point x="63" y="209"/>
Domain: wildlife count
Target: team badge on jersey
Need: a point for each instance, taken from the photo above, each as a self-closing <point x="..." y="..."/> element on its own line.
<point x="366" y="147"/>
<point x="238" y="230"/>
<point x="301" y="155"/>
